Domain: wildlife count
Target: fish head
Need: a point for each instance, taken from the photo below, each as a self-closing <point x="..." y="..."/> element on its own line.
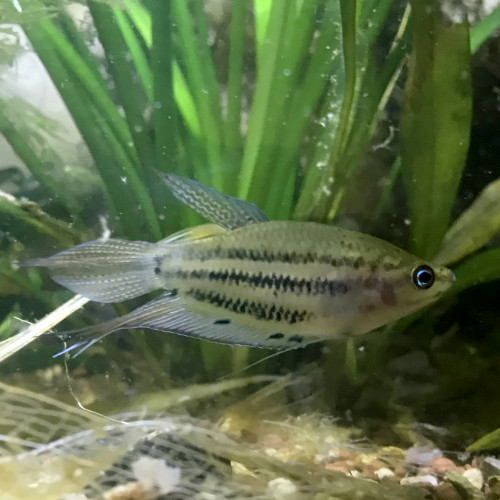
<point x="388" y="296"/>
<point x="423" y="284"/>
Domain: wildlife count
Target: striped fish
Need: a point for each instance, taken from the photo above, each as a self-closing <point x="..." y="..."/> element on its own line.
<point x="246" y="280"/>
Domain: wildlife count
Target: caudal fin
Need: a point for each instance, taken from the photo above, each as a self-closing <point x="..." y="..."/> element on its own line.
<point x="104" y="270"/>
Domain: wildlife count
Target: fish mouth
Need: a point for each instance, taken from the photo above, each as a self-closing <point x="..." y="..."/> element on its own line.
<point x="449" y="279"/>
<point x="452" y="276"/>
<point x="446" y="275"/>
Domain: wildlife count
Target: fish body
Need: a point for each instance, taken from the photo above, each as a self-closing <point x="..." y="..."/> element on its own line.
<point x="245" y="280"/>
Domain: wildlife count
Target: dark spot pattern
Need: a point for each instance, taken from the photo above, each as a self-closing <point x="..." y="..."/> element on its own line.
<point x="263" y="255"/>
<point x="256" y="309"/>
<point x="275" y="282"/>
<point x="276" y="336"/>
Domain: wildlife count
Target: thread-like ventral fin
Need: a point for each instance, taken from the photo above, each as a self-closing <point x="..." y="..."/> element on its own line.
<point x="223" y="210"/>
<point x="110" y="270"/>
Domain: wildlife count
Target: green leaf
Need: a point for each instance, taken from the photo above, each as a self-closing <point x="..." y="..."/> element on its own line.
<point x="32" y="215"/>
<point x="357" y="93"/>
<point x="137" y="52"/>
<point x="92" y="84"/>
<point x="198" y="61"/>
<point x="141" y="19"/>
<point x="262" y="104"/>
<point x="262" y="13"/>
<point x="474" y="228"/>
<point x="352" y="64"/>
<point x="480" y="268"/>
<point x="122" y="70"/>
<point x="103" y="129"/>
<point x="235" y="74"/>
<point x="268" y="189"/>
<point x="435" y="124"/>
<point x="164" y="107"/>
<point x="490" y="441"/>
<point x="28" y="132"/>
<point x="484" y="29"/>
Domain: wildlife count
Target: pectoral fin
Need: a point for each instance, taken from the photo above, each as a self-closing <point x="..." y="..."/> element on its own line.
<point x="223" y="210"/>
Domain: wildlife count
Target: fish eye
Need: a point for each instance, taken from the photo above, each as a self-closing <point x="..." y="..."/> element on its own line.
<point x="423" y="277"/>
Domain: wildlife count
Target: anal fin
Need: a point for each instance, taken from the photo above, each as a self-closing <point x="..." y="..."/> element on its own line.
<point x="173" y="314"/>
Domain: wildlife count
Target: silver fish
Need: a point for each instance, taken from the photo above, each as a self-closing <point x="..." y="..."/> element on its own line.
<point x="249" y="281"/>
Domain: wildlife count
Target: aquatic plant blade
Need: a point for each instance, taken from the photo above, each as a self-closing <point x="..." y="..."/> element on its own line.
<point x="484" y="29"/>
<point x="435" y="124"/>
<point x="197" y="60"/>
<point x="261" y="104"/>
<point x="262" y="13"/>
<point x="490" y="441"/>
<point x="164" y="400"/>
<point x="357" y="94"/>
<point x="122" y="70"/>
<point x="33" y="216"/>
<point x="31" y="135"/>
<point x="79" y="89"/>
<point x="480" y="268"/>
<point x="232" y="125"/>
<point x="474" y="228"/>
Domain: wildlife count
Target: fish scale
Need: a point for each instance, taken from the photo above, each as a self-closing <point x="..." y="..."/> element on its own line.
<point x="246" y="280"/>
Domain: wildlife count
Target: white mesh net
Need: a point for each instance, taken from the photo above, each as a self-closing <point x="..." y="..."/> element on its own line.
<point x="53" y="451"/>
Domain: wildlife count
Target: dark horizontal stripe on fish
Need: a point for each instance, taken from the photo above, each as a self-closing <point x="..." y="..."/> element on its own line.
<point x="255" y="255"/>
<point x="244" y="306"/>
<point x="279" y="283"/>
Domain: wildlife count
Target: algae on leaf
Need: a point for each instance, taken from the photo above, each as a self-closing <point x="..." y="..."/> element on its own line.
<point x="435" y="125"/>
<point x="474" y="228"/>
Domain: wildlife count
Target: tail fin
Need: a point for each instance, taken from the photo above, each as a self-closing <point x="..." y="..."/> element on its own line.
<point x="105" y="270"/>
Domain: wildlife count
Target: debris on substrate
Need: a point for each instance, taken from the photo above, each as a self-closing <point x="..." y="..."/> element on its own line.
<point x="255" y="450"/>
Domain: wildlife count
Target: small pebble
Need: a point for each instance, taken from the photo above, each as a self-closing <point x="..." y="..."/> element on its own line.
<point x="491" y="466"/>
<point x="383" y="473"/>
<point x="441" y="465"/>
<point x="282" y="488"/>
<point x="494" y="486"/>
<point x="463" y="485"/>
<point x="418" y="455"/>
<point x="446" y="491"/>
<point x="413" y="480"/>
<point x="475" y="476"/>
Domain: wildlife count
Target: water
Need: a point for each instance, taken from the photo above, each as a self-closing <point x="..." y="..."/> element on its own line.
<point x="259" y="100"/>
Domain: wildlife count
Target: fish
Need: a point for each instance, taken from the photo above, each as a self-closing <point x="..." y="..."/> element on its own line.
<point x="242" y="279"/>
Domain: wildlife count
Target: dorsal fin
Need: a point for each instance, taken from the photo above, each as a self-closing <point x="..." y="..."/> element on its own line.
<point x="225" y="211"/>
<point x="193" y="233"/>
